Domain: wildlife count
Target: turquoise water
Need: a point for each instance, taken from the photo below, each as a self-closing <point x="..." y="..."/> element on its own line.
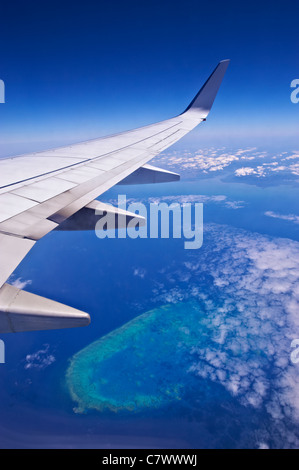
<point x="140" y="365"/>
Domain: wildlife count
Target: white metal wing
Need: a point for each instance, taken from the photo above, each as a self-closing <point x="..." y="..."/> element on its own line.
<point x="56" y="189"/>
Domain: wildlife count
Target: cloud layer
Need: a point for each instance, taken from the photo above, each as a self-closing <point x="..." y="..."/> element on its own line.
<point x="248" y="287"/>
<point x="260" y="164"/>
<point x="289" y="217"/>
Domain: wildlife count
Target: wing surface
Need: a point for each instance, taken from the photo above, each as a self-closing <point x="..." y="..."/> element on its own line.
<point x="40" y="191"/>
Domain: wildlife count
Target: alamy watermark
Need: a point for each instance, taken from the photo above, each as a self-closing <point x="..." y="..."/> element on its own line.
<point x="295" y="92"/>
<point x="295" y="352"/>
<point x="2" y="352"/>
<point x="186" y="220"/>
<point x="2" y="92"/>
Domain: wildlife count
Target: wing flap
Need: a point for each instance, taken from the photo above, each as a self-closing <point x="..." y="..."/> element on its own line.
<point x="148" y="174"/>
<point x="23" y="311"/>
<point x="44" y="190"/>
<point x="13" y="204"/>
<point x="111" y="217"/>
<point x="13" y="250"/>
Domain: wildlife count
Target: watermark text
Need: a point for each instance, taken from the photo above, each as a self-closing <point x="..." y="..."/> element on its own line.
<point x="2" y="352"/>
<point x="2" y="91"/>
<point x="163" y="221"/>
<point x="295" y="352"/>
<point x="295" y="92"/>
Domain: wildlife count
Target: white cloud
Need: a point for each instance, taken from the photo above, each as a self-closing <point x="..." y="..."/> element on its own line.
<point x="139" y="272"/>
<point x="268" y="168"/>
<point x="187" y="198"/>
<point x="294" y="168"/>
<point x="19" y="283"/>
<point x="245" y="171"/>
<point x="292" y="157"/>
<point x="212" y="160"/>
<point x="193" y="198"/>
<point x="251" y="315"/>
<point x="40" y="359"/>
<point x="290" y="217"/>
<point x="208" y="160"/>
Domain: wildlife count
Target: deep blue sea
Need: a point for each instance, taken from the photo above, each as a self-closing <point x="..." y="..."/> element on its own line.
<point x="191" y="348"/>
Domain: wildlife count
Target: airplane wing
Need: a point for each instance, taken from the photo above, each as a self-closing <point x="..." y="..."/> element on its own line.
<point x="57" y="188"/>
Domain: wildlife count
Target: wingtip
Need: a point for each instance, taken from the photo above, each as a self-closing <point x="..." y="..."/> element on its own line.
<point x="203" y="101"/>
<point x="22" y="311"/>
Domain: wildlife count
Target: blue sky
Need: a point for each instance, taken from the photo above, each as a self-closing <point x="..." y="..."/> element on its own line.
<point x="78" y="70"/>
